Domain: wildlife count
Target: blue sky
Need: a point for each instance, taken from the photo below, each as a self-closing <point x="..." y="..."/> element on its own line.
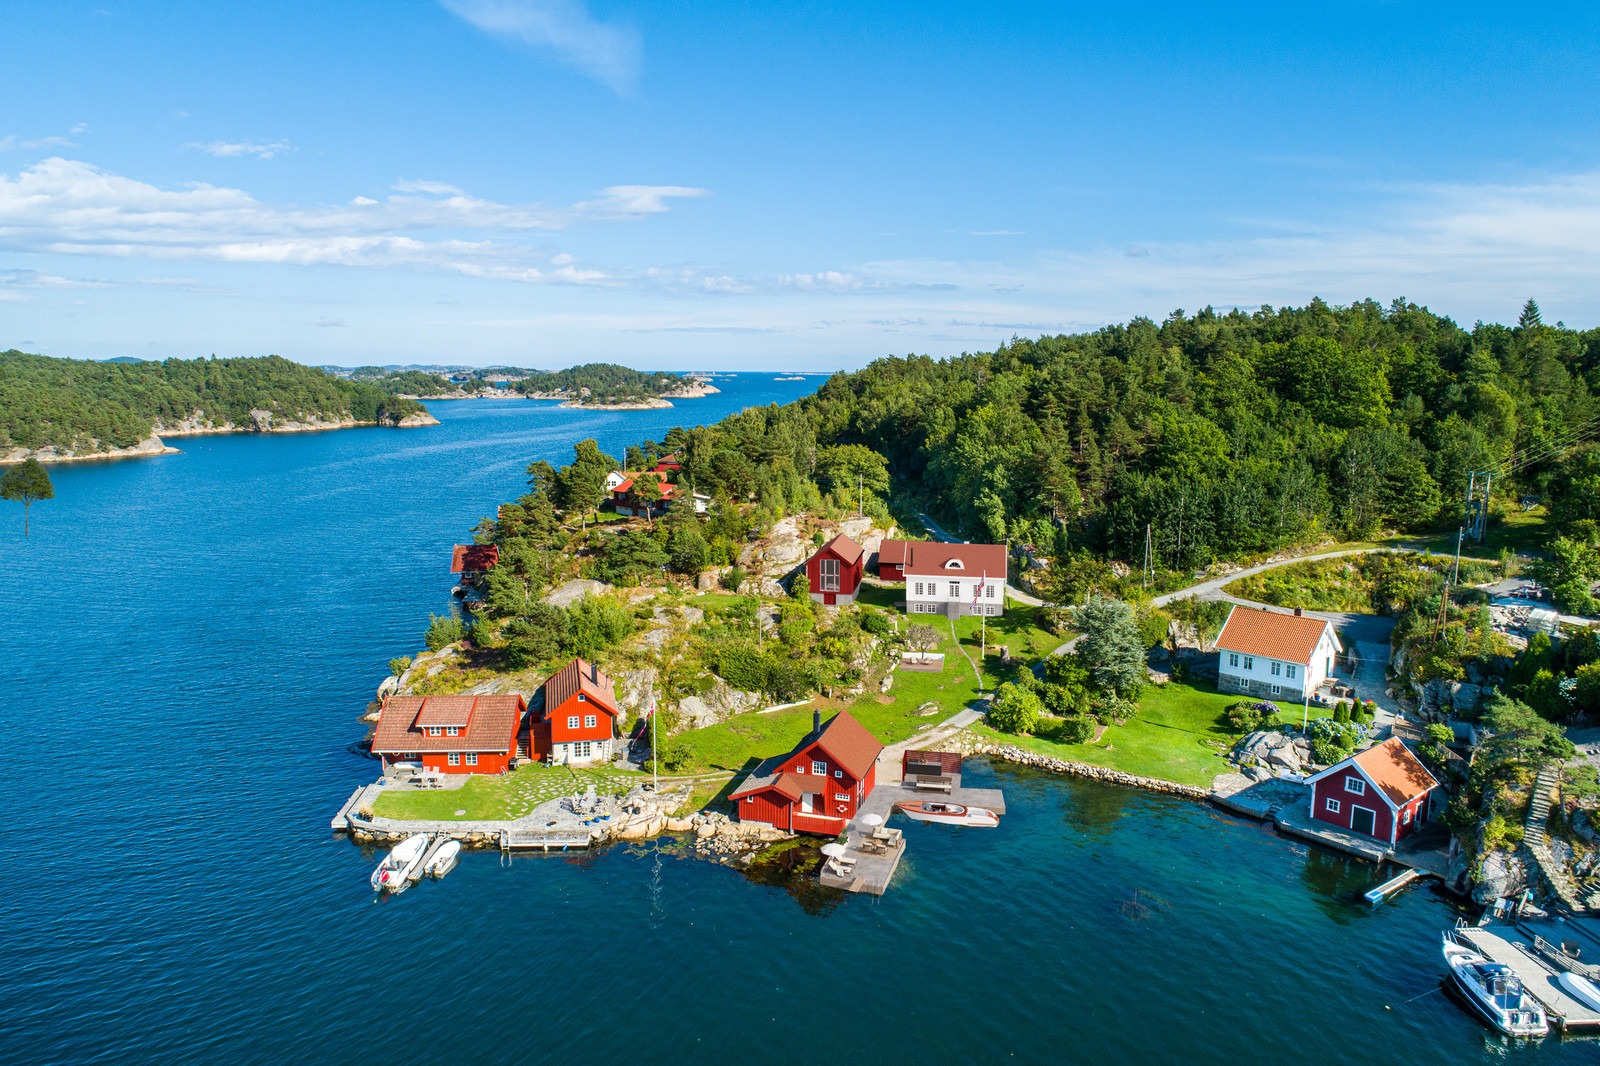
<point x="773" y="186"/>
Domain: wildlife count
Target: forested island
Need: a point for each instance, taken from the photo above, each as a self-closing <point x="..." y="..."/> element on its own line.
<point x="56" y="409"/>
<point x="594" y="385"/>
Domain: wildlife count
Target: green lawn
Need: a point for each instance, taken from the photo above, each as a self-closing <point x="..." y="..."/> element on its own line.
<point x="1524" y="532"/>
<point x="491" y="796"/>
<point x="1179" y="735"/>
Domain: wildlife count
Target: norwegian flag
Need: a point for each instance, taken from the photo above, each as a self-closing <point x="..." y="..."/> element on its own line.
<point x="977" y="590"/>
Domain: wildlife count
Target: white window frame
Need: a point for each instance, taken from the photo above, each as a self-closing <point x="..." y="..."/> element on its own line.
<point x="589" y="721"/>
<point x="1277" y="668"/>
<point x="828" y="574"/>
<point x="472" y="758"/>
<point x="452" y="731"/>
<point x="1233" y="658"/>
<point x="582" y="698"/>
<point x="955" y="590"/>
<point x="1331" y="805"/>
<point x="583" y="749"/>
<point x="1277" y="690"/>
<point x="838" y="773"/>
<point x="919" y="588"/>
<point x="434" y="731"/>
<point x="572" y="721"/>
<point x="988" y="590"/>
<point x="1355" y="785"/>
<point x="819" y="768"/>
<point x="1249" y="662"/>
<point x="1289" y="670"/>
<point x="1405" y="816"/>
<point x="454" y="758"/>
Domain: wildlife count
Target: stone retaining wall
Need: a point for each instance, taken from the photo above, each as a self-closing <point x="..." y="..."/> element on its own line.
<point x="1092" y="772"/>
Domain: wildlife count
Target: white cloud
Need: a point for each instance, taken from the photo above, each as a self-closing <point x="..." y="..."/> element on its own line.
<point x="50" y="142"/>
<point x="232" y="149"/>
<point x="7" y="143"/>
<point x="606" y="52"/>
<point x="67" y="207"/>
<point x="331" y="322"/>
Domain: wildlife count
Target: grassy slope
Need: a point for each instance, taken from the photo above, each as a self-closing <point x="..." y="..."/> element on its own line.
<point x="1178" y="736"/>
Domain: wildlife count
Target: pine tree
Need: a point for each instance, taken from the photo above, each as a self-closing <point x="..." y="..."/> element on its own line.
<point x="1529" y="317"/>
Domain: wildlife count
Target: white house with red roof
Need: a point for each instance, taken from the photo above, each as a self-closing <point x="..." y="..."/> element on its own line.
<point x="950" y="579"/>
<point x="1274" y="655"/>
<point x="628" y="501"/>
<point x="1383" y="792"/>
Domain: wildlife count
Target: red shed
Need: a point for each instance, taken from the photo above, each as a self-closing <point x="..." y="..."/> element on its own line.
<point x="579" y="719"/>
<point x="1382" y="792"/>
<point x="471" y="560"/>
<point x="817" y="787"/>
<point x="834" y="573"/>
<point x="892" y="559"/>
<point x="454" y="734"/>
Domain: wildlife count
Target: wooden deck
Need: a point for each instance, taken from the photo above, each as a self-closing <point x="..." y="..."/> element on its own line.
<point x="1505" y="944"/>
<point x="873" y="873"/>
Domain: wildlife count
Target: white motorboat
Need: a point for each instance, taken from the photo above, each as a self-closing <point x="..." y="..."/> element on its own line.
<point x="400" y="866"/>
<point x="949" y="813"/>
<point x="1494" y="991"/>
<point x="443" y="860"/>
<point x="1581" y="989"/>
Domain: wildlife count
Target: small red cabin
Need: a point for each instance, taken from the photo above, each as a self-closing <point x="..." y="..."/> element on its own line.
<point x="471" y="560"/>
<point x="892" y="559"/>
<point x="578" y="723"/>
<point x="817" y="787"/>
<point x="1382" y="792"/>
<point x="834" y="572"/>
<point x="452" y="734"/>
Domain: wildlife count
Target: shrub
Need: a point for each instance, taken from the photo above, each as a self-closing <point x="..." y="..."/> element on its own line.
<point x="800" y="587"/>
<point x="481" y="632"/>
<point x="1063" y="700"/>
<point x="536" y="636"/>
<point x="789" y="680"/>
<point x="442" y="631"/>
<point x="1077" y="729"/>
<point x="1326" y="751"/>
<point x="400" y="665"/>
<point x="1117" y="708"/>
<point x="743" y="667"/>
<point x="1015" y="709"/>
<point x="875" y="622"/>
<point x="1244" y="717"/>
<point x="596" y="623"/>
<point x="1440" y="734"/>
<point x="734" y="579"/>
<point x="1341" y="712"/>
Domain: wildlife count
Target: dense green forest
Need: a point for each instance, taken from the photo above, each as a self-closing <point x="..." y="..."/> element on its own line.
<point x="1230" y="435"/>
<point x="606" y="382"/>
<point x="415" y="383"/>
<point x="69" y="402"/>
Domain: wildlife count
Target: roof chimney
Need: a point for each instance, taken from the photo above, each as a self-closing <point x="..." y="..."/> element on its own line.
<point x="816" y="721"/>
<point x="1299" y="612"/>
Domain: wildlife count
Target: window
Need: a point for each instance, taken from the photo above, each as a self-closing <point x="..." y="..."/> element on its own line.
<point x="919" y="588"/>
<point x="572" y="722"/>
<point x="1355" y="786"/>
<point x="955" y="590"/>
<point x="1277" y="689"/>
<point x="830" y="575"/>
<point x="588" y="721"/>
<point x="434" y="730"/>
<point x="1332" y="806"/>
<point x="1249" y="662"/>
<point x="1289" y="669"/>
<point x="838" y="773"/>
<point x="472" y="758"/>
<point x="455" y="758"/>
<point x="1405" y="817"/>
<point x="819" y="768"/>
<point x="583" y="749"/>
<point x="749" y="799"/>
<point x="582" y="698"/>
<point x="955" y="564"/>
<point x="1277" y="668"/>
<point x="1233" y="658"/>
<point x="988" y="590"/>
<point x="452" y="731"/>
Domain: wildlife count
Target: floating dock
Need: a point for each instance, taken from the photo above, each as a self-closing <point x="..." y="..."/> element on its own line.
<point x="1377" y="895"/>
<point x="873" y="872"/>
<point x="1537" y="976"/>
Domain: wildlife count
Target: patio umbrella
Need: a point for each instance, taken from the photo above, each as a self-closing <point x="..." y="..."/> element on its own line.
<point x="872" y="819"/>
<point x="833" y="850"/>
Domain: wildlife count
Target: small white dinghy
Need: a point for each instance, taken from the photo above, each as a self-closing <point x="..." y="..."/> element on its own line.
<point x="1581" y="989"/>
<point x="400" y="866"/>
<point x="443" y="860"/>
<point x="949" y="813"/>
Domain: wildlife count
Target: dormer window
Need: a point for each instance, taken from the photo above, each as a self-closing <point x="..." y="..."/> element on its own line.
<point x="433" y="731"/>
<point x="452" y="731"/>
<point x="955" y="564"/>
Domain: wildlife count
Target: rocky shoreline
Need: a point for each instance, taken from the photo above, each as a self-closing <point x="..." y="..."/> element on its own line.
<point x="262" y="421"/>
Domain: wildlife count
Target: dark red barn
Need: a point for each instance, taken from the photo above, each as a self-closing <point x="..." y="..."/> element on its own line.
<point x="471" y="560"/>
<point x="817" y="787"/>
<point x="1382" y="792"/>
<point x="892" y="559"/>
<point x="834" y="573"/>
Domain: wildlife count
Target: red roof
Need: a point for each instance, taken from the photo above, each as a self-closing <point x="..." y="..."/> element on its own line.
<point x="893" y="552"/>
<point x="843" y="547"/>
<point x="579" y="676"/>
<point x="488" y="723"/>
<point x="844" y="738"/>
<point x="473" y="557"/>
<point x="1391" y="767"/>
<point x="1271" y="635"/>
<point x="931" y="558"/>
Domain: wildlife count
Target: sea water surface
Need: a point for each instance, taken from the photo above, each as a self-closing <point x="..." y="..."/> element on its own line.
<point x="188" y="642"/>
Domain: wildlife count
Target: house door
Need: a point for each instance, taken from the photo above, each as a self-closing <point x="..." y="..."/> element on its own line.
<point x="810" y="802"/>
<point x="1363" y="820"/>
<point x="829" y="598"/>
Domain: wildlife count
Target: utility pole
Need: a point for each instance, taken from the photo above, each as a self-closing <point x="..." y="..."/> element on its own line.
<point x="861" y="495"/>
<point x="1455" y="574"/>
<point x="1477" y="507"/>
<point x="1148" y="565"/>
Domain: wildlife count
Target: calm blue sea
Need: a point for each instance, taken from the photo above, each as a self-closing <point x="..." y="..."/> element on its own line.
<point x="188" y="641"/>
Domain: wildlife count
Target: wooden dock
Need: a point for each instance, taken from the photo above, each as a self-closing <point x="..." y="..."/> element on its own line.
<point x="541" y="840"/>
<point x="1537" y="975"/>
<point x="342" y="819"/>
<point x="1377" y="895"/>
<point x="873" y="872"/>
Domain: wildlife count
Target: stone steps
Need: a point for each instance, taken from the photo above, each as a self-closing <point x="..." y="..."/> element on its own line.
<point x="1538" y="841"/>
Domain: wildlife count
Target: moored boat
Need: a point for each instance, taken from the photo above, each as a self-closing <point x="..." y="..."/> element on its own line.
<point x="949" y="813"/>
<point x="400" y="866"/>
<point x="443" y="860"/>
<point x="1581" y="989"/>
<point x="1494" y="991"/>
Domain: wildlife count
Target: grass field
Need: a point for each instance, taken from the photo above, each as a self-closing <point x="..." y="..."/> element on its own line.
<point x="1179" y="735"/>
<point x="1523" y="532"/>
<point x="494" y="796"/>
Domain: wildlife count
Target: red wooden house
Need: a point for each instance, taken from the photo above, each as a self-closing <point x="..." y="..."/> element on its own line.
<point x="1382" y="792"/>
<point x="454" y="734"/>
<point x="818" y="786"/>
<point x="834" y="572"/>
<point x="892" y="559"/>
<point x="578" y="723"/>
<point x="471" y="560"/>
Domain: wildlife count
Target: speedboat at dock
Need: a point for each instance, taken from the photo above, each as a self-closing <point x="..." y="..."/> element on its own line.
<point x="400" y="866"/>
<point x="949" y="813"/>
<point x="1494" y="991"/>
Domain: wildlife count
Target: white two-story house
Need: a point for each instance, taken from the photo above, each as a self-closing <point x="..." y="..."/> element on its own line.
<point x="1279" y="656"/>
<point x="954" y="579"/>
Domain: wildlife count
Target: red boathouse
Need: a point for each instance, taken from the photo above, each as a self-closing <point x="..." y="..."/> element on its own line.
<point x="452" y="734"/>
<point x="834" y="572"/>
<point x="818" y="786"/>
<point x="1383" y="792"/>
<point x="471" y="560"/>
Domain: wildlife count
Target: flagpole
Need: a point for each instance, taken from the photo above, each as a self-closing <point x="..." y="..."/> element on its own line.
<point x="655" y="763"/>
